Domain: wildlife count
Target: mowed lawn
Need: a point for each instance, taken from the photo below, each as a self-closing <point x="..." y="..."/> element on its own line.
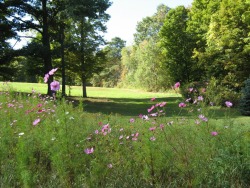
<point x="123" y="102"/>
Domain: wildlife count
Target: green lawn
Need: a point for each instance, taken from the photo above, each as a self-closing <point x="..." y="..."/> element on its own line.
<point x="125" y="102"/>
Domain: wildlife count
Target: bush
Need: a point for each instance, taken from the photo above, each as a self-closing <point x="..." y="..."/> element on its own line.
<point x="212" y="91"/>
<point x="245" y="99"/>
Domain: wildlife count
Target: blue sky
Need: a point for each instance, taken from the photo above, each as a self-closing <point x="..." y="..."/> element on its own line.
<point x="125" y="14"/>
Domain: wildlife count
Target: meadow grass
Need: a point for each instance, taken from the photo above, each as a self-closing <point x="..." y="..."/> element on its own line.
<point x="45" y="142"/>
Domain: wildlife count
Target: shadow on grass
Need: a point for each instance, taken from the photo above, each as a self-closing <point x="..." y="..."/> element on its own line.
<point x="126" y="106"/>
<point x="134" y="107"/>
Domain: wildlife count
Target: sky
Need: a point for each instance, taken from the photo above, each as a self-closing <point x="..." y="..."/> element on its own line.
<point x="125" y="14"/>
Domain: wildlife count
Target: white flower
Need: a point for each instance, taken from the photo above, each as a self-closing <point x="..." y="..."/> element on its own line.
<point x="20" y="134"/>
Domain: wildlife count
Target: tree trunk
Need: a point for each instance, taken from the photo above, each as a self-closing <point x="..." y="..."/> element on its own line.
<point x="84" y="89"/>
<point x="46" y="45"/>
<point x="62" y="59"/>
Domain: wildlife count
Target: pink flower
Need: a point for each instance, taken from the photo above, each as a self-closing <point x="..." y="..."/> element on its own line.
<point x="200" y="98"/>
<point x="177" y="85"/>
<point x="154" y="114"/>
<point x="140" y="115"/>
<point x="53" y="71"/>
<point x="161" y="126"/>
<point x="203" y="118"/>
<point x="152" y="128"/>
<point x="182" y="105"/>
<point x="191" y="89"/>
<point x="89" y="150"/>
<point x="39" y="105"/>
<point x="36" y="121"/>
<point x="153" y="99"/>
<point x="132" y="120"/>
<point x="152" y="138"/>
<point x="96" y="131"/>
<point x="228" y="104"/>
<point x="163" y="104"/>
<point x="150" y="109"/>
<point x="46" y="77"/>
<point x="214" y="133"/>
<point x="145" y="117"/>
<point x="120" y="137"/>
<point x="55" y="86"/>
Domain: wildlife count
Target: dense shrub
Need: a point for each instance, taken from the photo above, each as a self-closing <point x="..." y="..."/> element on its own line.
<point x="245" y="99"/>
<point x="212" y="91"/>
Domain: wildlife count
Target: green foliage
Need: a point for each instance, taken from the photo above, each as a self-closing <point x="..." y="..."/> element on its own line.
<point x="178" y="44"/>
<point x="244" y="105"/>
<point x="213" y="92"/>
<point x="150" y="26"/>
<point x="225" y="56"/>
<point x="111" y="73"/>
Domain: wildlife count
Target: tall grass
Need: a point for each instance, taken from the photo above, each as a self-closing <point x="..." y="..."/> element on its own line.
<point x="46" y="142"/>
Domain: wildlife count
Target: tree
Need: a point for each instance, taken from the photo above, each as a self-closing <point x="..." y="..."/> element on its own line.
<point x="110" y="75"/>
<point x="150" y="26"/>
<point x="42" y="17"/>
<point x="178" y="45"/>
<point x="227" y="53"/>
<point x="89" y="17"/>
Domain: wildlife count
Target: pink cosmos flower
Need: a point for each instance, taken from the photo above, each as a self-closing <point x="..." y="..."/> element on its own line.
<point x="120" y="137"/>
<point x="134" y="138"/>
<point x="89" y="150"/>
<point x="214" y="133"/>
<point x="152" y="138"/>
<point x="53" y="71"/>
<point x="145" y="117"/>
<point x="154" y="114"/>
<point x="182" y="105"/>
<point x="228" y="104"/>
<point x="36" y="121"/>
<point x="191" y="89"/>
<point x="152" y="128"/>
<point x="177" y="85"/>
<point x="200" y="98"/>
<point x="153" y="99"/>
<point x="140" y="115"/>
<point x="203" y="118"/>
<point x="150" y="109"/>
<point x="55" y="86"/>
<point x="163" y="104"/>
<point x="161" y="126"/>
<point x="96" y="132"/>
<point x="132" y="120"/>
<point x="46" y="77"/>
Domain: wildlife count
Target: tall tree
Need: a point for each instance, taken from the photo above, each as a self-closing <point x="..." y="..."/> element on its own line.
<point x="227" y="53"/>
<point x="178" y="44"/>
<point x="150" y="26"/>
<point x="110" y="75"/>
<point x="90" y="19"/>
<point x="42" y="17"/>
